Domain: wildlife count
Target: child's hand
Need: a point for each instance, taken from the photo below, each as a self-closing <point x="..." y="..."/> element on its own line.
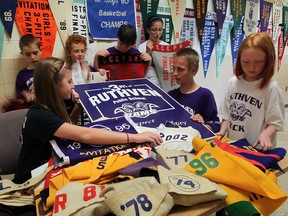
<point x="198" y="118"/>
<point x="149" y="47"/>
<point x="28" y="95"/>
<point x="75" y="97"/>
<point x="102" y="71"/>
<point x="263" y="142"/>
<point x="145" y="57"/>
<point x="103" y="52"/>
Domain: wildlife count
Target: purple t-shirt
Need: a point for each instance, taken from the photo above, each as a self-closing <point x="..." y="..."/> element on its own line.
<point x="201" y="102"/>
<point x="24" y="81"/>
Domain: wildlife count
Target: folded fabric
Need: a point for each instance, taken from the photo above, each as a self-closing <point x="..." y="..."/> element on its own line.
<point x="263" y="160"/>
<point x="188" y="189"/>
<point x="75" y="196"/>
<point x="232" y="171"/>
<point x="140" y="196"/>
<point x="174" y="159"/>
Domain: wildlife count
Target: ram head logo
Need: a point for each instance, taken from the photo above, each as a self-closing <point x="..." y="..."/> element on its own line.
<point x="137" y="109"/>
<point x="238" y="111"/>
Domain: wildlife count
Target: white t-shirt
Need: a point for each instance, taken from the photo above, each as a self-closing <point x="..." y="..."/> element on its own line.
<point x="250" y="110"/>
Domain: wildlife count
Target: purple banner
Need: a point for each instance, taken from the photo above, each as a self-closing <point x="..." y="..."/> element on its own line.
<point x="221" y="9"/>
<point x="265" y="10"/>
<point x="208" y="40"/>
<point x="7" y="14"/>
<point x="140" y="100"/>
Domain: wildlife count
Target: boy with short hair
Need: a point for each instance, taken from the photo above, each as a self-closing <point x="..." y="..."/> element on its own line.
<point x="124" y="68"/>
<point x="198" y="101"/>
<point x="31" y="52"/>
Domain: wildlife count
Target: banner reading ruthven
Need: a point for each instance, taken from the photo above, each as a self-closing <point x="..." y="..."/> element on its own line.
<point x="35" y="17"/>
<point x="106" y="17"/>
<point x="7" y="14"/>
<point x="139" y="99"/>
<point x="62" y="14"/>
<point x="163" y="59"/>
<point x="200" y="7"/>
<point x="177" y="13"/>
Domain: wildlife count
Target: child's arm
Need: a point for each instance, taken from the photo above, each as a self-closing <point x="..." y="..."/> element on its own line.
<point x="75" y="113"/>
<point x="223" y="129"/>
<point x="104" y="53"/>
<point x="147" y="58"/>
<point x="264" y="139"/>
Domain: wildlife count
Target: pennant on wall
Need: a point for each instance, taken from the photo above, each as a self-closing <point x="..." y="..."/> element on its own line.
<point x="7" y="14"/>
<point x="62" y="14"/>
<point x="221" y="9"/>
<point x="222" y="42"/>
<point x="106" y="17"/>
<point x="238" y="9"/>
<point x="251" y="17"/>
<point x="200" y="7"/>
<point x="165" y="14"/>
<point x="277" y="16"/>
<point x="148" y="8"/>
<point x="265" y="10"/>
<point x="236" y="41"/>
<point x="139" y="24"/>
<point x="177" y="13"/>
<point x="189" y="26"/>
<point x="285" y="23"/>
<point x="281" y="47"/>
<point x="208" y="40"/>
<point x="163" y="59"/>
<point x="35" y="17"/>
<point x="1" y="39"/>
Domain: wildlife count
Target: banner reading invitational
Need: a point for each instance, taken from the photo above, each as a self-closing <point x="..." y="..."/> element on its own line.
<point x="7" y="14"/>
<point x="138" y="99"/>
<point x="35" y="17"/>
<point x="106" y="17"/>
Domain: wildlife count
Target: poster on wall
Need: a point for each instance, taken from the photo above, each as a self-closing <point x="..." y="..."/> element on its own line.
<point x="106" y="17"/>
<point x="7" y="14"/>
<point x="140" y="100"/>
<point x="35" y="17"/>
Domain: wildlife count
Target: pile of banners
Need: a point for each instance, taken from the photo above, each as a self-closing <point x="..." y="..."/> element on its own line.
<point x="135" y="179"/>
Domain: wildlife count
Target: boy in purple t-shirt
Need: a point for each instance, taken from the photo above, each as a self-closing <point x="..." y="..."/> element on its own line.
<point x="195" y="99"/>
<point x="31" y="52"/>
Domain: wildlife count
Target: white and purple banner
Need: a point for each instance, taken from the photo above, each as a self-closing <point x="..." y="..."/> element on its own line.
<point x="7" y="14"/>
<point x="188" y="30"/>
<point x="208" y="40"/>
<point x="138" y="99"/>
<point x="106" y="17"/>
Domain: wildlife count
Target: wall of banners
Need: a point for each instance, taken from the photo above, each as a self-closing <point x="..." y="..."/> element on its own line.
<point x="216" y="29"/>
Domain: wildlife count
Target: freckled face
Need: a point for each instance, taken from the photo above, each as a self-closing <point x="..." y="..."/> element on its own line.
<point x="78" y="52"/>
<point x="66" y="85"/>
<point x="253" y="62"/>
